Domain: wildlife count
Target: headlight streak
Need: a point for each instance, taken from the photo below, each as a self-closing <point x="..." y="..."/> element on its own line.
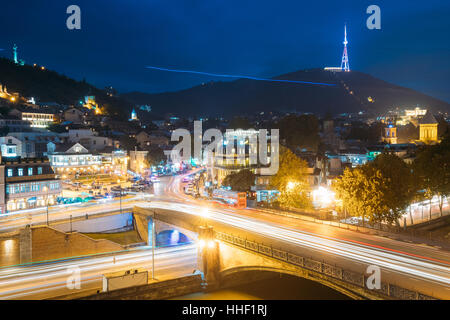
<point x="359" y="252"/>
<point x="32" y="280"/>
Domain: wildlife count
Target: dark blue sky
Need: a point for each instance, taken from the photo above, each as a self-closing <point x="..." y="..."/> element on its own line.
<point x="255" y="37"/>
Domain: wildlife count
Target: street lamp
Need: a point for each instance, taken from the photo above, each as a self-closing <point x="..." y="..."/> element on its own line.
<point x="205" y="214"/>
<point x="153" y="244"/>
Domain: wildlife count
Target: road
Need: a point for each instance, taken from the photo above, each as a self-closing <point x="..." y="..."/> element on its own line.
<point x="415" y="266"/>
<point x="19" y="219"/>
<point x="49" y="280"/>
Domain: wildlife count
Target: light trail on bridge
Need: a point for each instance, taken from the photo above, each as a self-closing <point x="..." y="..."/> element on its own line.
<point x="48" y="279"/>
<point x="439" y="272"/>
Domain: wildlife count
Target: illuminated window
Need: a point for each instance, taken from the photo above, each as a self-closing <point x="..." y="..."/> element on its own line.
<point x="39" y="170"/>
<point x="20" y="172"/>
<point x="30" y="171"/>
<point x="10" y="172"/>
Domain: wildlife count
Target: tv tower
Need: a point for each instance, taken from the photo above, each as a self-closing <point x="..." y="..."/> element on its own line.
<point x="345" y="65"/>
<point x="16" y="61"/>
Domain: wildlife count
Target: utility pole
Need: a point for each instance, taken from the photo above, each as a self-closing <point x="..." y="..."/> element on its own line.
<point x="153" y="245"/>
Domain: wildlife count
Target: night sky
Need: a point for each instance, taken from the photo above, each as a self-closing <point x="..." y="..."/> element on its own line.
<point x="255" y="37"/>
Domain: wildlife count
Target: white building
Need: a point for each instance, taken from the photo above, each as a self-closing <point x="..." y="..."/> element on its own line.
<point x="10" y="147"/>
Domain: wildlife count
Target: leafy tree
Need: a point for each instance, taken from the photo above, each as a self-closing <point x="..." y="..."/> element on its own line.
<point x="155" y="155"/>
<point x="242" y="180"/>
<point x="378" y="191"/>
<point x="400" y="186"/>
<point x="292" y="180"/>
<point x="359" y="190"/>
<point x="432" y="166"/>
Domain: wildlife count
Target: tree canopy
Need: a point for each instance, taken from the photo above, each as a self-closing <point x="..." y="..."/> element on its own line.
<point x="432" y="167"/>
<point x="377" y="191"/>
<point x="292" y="180"/>
<point x="242" y="180"/>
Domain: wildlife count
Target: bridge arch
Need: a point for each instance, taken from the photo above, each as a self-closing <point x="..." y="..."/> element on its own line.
<point x="234" y="275"/>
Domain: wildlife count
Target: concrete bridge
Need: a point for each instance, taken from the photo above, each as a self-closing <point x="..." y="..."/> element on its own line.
<point x="228" y="255"/>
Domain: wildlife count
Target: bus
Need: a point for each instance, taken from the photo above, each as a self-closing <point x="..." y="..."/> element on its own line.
<point x="231" y="198"/>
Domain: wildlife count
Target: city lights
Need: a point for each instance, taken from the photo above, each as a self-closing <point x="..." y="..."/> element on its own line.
<point x="323" y="197"/>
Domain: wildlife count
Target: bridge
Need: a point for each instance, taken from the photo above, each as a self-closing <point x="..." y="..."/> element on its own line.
<point x="228" y="253"/>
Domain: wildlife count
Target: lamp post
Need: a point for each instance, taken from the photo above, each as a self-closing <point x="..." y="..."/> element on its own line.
<point x="205" y="215"/>
<point x="153" y="244"/>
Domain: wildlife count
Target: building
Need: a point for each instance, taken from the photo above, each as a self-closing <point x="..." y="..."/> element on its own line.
<point x="10" y="147"/>
<point x="74" y="115"/>
<point x="238" y="157"/>
<point x="73" y="159"/>
<point x="89" y="139"/>
<point x="15" y="125"/>
<point x="133" y="116"/>
<point x="138" y="161"/>
<point x="34" y="143"/>
<point x="145" y="139"/>
<point x="428" y="129"/>
<point x="38" y="118"/>
<point x="390" y="134"/>
<point x="26" y="184"/>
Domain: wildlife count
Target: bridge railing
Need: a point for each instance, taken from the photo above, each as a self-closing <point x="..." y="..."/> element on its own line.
<point x="387" y="290"/>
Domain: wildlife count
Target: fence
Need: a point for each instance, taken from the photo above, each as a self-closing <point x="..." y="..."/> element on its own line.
<point x="408" y="234"/>
<point x="388" y="290"/>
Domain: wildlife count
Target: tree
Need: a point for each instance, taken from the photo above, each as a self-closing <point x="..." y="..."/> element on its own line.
<point x="432" y="166"/>
<point x="399" y="185"/>
<point x="155" y="155"/>
<point x="379" y="191"/>
<point x="360" y="192"/>
<point x="242" y="180"/>
<point x="292" y="180"/>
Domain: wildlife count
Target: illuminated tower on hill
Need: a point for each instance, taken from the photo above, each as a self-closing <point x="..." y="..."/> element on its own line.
<point x="345" y="66"/>
<point x="16" y="61"/>
<point x="133" y="116"/>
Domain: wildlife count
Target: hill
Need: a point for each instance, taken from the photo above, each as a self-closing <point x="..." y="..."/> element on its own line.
<point x="50" y="86"/>
<point x="351" y="93"/>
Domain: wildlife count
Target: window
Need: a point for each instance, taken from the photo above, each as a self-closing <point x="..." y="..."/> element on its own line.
<point x="39" y="170"/>
<point x="10" y="172"/>
<point x="30" y="171"/>
<point x="20" y="172"/>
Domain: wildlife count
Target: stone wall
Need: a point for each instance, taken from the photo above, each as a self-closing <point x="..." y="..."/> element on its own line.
<point x="154" y="291"/>
<point x="49" y="244"/>
<point x="9" y="250"/>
